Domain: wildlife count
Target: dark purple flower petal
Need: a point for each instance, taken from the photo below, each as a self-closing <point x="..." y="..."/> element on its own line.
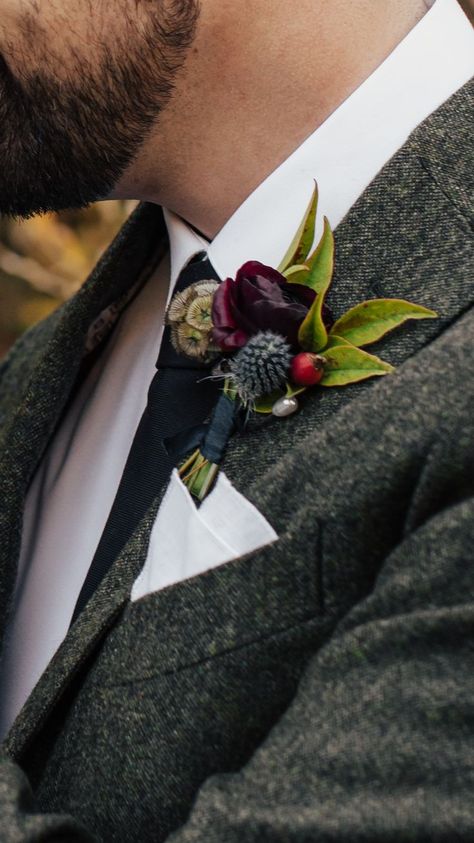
<point x="252" y="269"/>
<point x="228" y="339"/>
<point x="222" y="311"/>
<point x="260" y="299"/>
<point x="280" y="318"/>
<point x="300" y="292"/>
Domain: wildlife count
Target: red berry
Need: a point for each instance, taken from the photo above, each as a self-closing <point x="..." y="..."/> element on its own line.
<point x="307" y="369"/>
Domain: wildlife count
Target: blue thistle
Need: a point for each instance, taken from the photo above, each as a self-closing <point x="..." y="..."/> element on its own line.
<point x="261" y="366"/>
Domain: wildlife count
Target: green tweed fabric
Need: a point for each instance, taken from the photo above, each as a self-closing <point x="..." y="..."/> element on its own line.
<point x="319" y="690"/>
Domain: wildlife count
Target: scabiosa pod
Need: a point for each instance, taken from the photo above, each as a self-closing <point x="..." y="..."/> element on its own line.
<point x="189" y="316"/>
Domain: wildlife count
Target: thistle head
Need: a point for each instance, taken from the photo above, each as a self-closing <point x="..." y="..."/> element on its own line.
<point x="260" y="367"/>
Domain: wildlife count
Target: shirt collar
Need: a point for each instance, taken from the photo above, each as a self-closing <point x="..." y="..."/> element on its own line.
<point x="347" y="151"/>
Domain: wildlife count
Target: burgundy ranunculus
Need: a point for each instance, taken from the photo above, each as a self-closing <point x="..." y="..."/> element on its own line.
<point x="260" y="299"/>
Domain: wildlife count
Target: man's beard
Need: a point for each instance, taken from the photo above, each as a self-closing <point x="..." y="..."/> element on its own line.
<point x="65" y="144"/>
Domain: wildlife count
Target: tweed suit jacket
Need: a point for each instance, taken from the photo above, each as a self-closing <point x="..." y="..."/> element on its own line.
<point x="319" y="689"/>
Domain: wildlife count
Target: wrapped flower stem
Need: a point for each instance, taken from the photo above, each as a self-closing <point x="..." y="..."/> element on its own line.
<point x="200" y="470"/>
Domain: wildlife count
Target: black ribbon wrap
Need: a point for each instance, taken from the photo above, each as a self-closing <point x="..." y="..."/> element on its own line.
<point x="210" y="438"/>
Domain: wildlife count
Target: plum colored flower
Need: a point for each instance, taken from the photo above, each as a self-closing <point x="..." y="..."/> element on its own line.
<point x="260" y="299"/>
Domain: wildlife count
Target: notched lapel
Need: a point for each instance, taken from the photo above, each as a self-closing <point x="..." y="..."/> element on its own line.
<point x="36" y="405"/>
<point x="32" y="411"/>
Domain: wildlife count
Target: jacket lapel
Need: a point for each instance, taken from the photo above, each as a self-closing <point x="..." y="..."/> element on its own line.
<point x="388" y="245"/>
<point x="43" y="384"/>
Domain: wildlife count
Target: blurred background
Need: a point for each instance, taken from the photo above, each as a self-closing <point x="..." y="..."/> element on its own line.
<point x="44" y="260"/>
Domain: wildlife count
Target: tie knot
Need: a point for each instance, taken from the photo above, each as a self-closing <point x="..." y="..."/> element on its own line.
<point x="199" y="268"/>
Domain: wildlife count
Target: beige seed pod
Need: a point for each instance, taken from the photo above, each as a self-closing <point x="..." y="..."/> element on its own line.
<point x="190" y="341"/>
<point x="178" y="306"/>
<point x="205" y="288"/>
<point x="199" y="313"/>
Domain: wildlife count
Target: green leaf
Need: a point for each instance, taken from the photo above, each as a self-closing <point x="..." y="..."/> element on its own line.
<point x="292" y="390"/>
<point x="303" y="239"/>
<point x="297" y="274"/>
<point x="335" y="342"/>
<point x="370" y="320"/>
<point x="347" y="364"/>
<point x="265" y="404"/>
<point x="321" y="262"/>
<point x="312" y="335"/>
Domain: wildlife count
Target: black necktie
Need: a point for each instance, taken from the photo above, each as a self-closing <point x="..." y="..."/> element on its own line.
<point x="178" y="398"/>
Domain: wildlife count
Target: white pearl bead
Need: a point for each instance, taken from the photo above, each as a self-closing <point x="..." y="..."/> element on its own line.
<point x="284" y="407"/>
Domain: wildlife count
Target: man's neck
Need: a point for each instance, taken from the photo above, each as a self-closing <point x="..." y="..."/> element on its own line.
<point x="260" y="78"/>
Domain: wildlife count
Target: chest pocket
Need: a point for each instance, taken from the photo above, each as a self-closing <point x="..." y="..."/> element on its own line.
<point x="240" y="602"/>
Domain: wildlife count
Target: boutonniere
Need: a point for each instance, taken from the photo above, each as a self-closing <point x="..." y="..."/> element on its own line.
<point x="272" y="336"/>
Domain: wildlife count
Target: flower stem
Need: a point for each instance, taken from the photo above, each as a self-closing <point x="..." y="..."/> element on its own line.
<point x="199" y="471"/>
<point x="198" y="474"/>
<point x="189" y="462"/>
<point x="195" y="468"/>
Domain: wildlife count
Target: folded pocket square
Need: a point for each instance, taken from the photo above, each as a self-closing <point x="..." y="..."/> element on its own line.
<point x="186" y="541"/>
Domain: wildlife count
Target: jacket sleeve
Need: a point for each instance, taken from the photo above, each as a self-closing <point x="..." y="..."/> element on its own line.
<point x="19" y="820"/>
<point x="378" y="744"/>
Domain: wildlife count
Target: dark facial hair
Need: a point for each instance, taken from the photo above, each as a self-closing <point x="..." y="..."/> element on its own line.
<point x="65" y="144"/>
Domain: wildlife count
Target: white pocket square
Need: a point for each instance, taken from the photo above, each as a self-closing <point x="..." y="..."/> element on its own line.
<point x="186" y="541"/>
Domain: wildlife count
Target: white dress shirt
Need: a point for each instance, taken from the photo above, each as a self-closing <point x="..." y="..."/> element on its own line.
<point x="72" y="493"/>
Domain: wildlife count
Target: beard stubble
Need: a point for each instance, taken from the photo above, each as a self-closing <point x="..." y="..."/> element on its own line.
<point x="65" y="142"/>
